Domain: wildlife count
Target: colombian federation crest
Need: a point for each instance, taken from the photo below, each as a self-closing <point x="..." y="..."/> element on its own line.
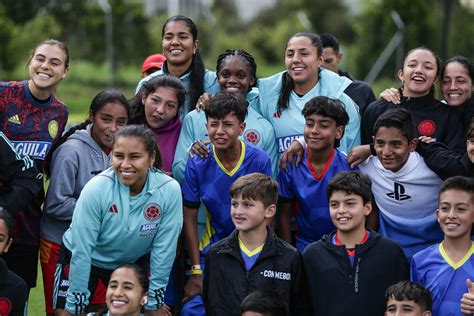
<point x="427" y="127"/>
<point x="152" y="212"/>
<point x="252" y="136"/>
<point x="53" y="128"/>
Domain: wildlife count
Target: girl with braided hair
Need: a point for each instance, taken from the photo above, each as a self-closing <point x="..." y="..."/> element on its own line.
<point x="236" y="73"/>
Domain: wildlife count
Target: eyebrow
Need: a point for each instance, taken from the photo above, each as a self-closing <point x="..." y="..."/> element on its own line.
<point x="54" y="58"/>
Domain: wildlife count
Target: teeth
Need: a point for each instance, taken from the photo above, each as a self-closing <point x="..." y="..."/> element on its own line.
<point x="454" y="95"/>
<point x="127" y="173"/>
<point x="232" y="89"/>
<point x="452" y="225"/>
<point x="44" y="76"/>
<point x="418" y="79"/>
<point x="118" y="303"/>
<point x="298" y="69"/>
<point x="343" y="219"/>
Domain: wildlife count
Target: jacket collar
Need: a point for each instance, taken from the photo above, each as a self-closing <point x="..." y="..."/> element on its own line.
<point x="231" y="245"/>
<point x="326" y="242"/>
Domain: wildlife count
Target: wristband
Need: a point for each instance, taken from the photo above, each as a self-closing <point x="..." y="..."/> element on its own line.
<point x="196" y="267"/>
<point x="196" y="272"/>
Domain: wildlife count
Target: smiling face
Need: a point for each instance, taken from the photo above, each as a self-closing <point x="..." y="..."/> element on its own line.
<point x="302" y="62"/>
<point x="235" y="75"/>
<point x="348" y="211"/>
<point x="250" y="215"/>
<point x="419" y="73"/>
<point x="125" y="295"/>
<point x="131" y="161"/>
<point x="320" y="132"/>
<point x="456" y="85"/>
<point x="106" y="122"/>
<point x="178" y="44"/>
<point x="46" y="69"/>
<point x="455" y="213"/>
<point x="160" y="106"/>
<point x="224" y="132"/>
<point x="392" y="148"/>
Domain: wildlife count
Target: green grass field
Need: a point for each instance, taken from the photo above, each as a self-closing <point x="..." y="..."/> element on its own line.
<point x="36" y="303"/>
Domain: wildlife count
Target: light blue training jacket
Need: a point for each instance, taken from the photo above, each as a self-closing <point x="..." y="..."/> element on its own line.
<point x="289" y="124"/>
<point x="110" y="228"/>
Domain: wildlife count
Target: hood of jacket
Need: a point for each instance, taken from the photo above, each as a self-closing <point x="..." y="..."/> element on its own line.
<point x="84" y="136"/>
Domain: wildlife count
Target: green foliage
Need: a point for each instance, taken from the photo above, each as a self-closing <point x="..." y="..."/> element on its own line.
<point x="7" y="29"/>
<point x="461" y="32"/>
<point x="374" y="28"/>
<point x="331" y="17"/>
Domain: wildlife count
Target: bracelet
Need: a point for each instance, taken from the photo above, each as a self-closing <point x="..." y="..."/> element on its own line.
<point x="196" y="272"/>
<point x="196" y="267"/>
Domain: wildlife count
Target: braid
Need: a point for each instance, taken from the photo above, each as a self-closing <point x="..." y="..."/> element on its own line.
<point x="241" y="53"/>
<point x="196" y="80"/>
<point x="59" y="142"/>
<point x="287" y="86"/>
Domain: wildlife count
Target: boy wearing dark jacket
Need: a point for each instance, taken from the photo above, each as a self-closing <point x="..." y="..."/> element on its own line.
<point x="349" y="270"/>
<point x="252" y="257"/>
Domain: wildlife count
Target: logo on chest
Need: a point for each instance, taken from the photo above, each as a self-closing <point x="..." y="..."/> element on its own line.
<point x="152" y="212"/>
<point x="252" y="136"/>
<point x="427" y="128"/>
<point x="398" y="192"/>
<point x="276" y="275"/>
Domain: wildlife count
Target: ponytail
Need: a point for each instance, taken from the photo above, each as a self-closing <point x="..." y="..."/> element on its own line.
<point x="287" y="86"/>
<point x="196" y="80"/>
<point x="59" y="142"/>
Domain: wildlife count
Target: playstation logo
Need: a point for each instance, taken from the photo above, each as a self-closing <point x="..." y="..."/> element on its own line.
<point x="398" y="192"/>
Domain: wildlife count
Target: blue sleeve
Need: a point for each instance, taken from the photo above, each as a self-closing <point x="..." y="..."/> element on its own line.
<point x="413" y="272"/>
<point x="164" y="245"/>
<point x="85" y="229"/>
<point x="186" y="138"/>
<point x="191" y="189"/>
<point x="285" y="184"/>
<point x="268" y="167"/>
<point x="351" y="136"/>
<point x="270" y="147"/>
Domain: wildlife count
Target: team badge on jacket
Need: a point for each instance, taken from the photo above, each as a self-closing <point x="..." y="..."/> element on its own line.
<point x="152" y="212"/>
<point x="427" y="127"/>
<point x="252" y="136"/>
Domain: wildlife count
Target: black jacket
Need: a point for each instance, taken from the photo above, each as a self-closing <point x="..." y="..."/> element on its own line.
<point x="359" y="91"/>
<point x="445" y="162"/>
<point x="337" y="288"/>
<point x="20" y="180"/>
<point x="430" y="117"/>
<point x="13" y="292"/>
<point x="227" y="282"/>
